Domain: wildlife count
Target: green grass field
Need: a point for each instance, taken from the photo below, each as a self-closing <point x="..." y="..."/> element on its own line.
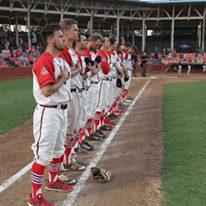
<point x="16" y="103"/>
<point x="184" y="165"/>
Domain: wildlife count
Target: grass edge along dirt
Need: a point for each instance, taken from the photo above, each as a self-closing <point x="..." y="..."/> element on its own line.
<point x="16" y="103"/>
<point x="184" y="164"/>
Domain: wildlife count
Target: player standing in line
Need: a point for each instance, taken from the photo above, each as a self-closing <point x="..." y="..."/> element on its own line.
<point x="71" y="32"/>
<point x="128" y="65"/>
<point x="115" y="72"/>
<point x="87" y="71"/>
<point x="103" y="88"/>
<point x="94" y="42"/>
<point x="51" y="89"/>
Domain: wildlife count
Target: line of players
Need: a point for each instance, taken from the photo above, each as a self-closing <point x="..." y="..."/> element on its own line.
<point x="79" y="85"/>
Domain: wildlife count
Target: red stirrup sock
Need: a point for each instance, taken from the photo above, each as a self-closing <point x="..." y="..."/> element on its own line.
<point x="37" y="174"/>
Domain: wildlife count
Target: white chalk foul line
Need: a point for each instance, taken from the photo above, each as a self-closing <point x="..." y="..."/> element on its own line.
<point x="70" y="199"/>
<point x="7" y="183"/>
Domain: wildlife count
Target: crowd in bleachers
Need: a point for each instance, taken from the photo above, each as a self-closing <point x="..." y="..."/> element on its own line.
<point x="13" y="55"/>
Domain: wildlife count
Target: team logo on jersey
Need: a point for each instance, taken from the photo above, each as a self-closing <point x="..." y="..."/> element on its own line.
<point x="44" y="71"/>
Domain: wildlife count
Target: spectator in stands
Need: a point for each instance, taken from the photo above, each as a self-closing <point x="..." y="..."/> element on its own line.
<point x="189" y="65"/>
<point x="156" y="51"/>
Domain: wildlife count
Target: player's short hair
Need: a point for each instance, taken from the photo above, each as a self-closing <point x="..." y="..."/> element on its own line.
<point x="95" y="37"/>
<point x="80" y="36"/>
<point x="112" y="39"/>
<point x="48" y="31"/>
<point x="67" y="23"/>
<point x="134" y="48"/>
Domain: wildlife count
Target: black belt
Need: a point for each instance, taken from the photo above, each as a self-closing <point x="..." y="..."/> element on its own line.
<point x="76" y="90"/>
<point x="59" y="106"/>
<point x="106" y="79"/>
<point x="85" y="89"/>
<point x="94" y="82"/>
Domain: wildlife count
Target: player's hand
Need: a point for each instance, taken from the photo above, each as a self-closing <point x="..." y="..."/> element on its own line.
<point x="78" y="67"/>
<point x="94" y="69"/>
<point x="65" y="74"/>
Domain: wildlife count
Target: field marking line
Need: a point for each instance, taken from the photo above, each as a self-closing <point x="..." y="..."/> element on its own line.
<point x="7" y="183"/>
<point x="71" y="197"/>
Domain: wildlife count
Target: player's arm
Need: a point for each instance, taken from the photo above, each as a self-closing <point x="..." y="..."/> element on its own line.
<point x="77" y="70"/>
<point x="50" y="89"/>
<point x="93" y="70"/>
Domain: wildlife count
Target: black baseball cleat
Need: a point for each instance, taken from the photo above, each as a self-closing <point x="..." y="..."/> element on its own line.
<point x="106" y="128"/>
<point x="97" y="133"/>
<point x="80" y="150"/>
<point x="101" y="133"/>
<point x="94" y="137"/>
<point x="87" y="146"/>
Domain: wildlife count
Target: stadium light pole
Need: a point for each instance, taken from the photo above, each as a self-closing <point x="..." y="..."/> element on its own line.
<point x="143" y="35"/>
<point x="118" y="27"/>
<point x="132" y="33"/>
<point x="17" y="34"/>
<point x="62" y="12"/>
<point x="172" y="34"/>
<point x="199" y="34"/>
<point x="203" y="34"/>
<point x="172" y="29"/>
<point x="29" y="29"/>
<point x="62" y="16"/>
<point x="91" y="24"/>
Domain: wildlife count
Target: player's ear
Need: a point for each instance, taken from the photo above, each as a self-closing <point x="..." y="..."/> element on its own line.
<point x="50" y="40"/>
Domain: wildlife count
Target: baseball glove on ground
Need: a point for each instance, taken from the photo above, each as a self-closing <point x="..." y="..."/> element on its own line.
<point x="101" y="175"/>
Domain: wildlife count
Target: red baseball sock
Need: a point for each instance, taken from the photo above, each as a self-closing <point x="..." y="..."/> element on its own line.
<point x="53" y="169"/>
<point x="37" y="174"/>
<point x="97" y="121"/>
<point x="81" y="135"/>
<point x="89" y="125"/>
<point x="67" y="154"/>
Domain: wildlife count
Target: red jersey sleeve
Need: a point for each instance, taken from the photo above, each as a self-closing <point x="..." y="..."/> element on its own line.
<point x="66" y="56"/>
<point x="86" y="53"/>
<point x="126" y="55"/>
<point x="79" y="58"/>
<point x="100" y="53"/>
<point x="105" y="67"/>
<point x="104" y="64"/>
<point x="44" y="70"/>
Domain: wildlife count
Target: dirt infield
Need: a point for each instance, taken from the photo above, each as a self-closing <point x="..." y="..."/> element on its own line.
<point x="14" y="73"/>
<point x="134" y="156"/>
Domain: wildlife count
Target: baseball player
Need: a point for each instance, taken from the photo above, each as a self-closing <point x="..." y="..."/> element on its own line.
<point x="94" y="42"/>
<point x="116" y="71"/>
<point x="128" y="65"/>
<point x="51" y="89"/>
<point x="103" y="88"/>
<point x="71" y="32"/>
<point x="87" y="71"/>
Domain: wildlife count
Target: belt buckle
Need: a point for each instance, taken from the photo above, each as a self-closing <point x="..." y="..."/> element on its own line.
<point x="58" y="106"/>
